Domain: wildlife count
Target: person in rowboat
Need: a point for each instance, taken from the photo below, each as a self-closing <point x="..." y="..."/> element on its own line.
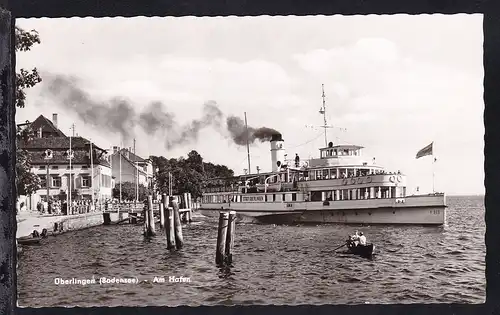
<point x="362" y="239"/>
<point x="354" y="239"/>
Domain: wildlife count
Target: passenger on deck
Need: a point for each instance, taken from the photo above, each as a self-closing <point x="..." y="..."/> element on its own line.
<point x="297" y="160"/>
<point x="362" y="239"/>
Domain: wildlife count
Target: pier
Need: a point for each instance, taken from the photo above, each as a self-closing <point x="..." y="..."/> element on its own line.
<point x="133" y="212"/>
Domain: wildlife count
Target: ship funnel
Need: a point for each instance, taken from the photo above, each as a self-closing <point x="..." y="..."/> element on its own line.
<point x="277" y="152"/>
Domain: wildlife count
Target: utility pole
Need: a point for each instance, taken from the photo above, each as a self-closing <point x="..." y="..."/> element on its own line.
<point x="70" y="156"/>
<point x="120" y="176"/>
<point x="92" y="173"/>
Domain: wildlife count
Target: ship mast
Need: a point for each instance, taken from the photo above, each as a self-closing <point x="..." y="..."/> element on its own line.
<point x="248" y="146"/>
<point x="323" y="111"/>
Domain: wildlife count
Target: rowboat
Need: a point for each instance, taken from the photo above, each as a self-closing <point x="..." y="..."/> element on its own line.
<point x="365" y="251"/>
<point x="34" y="239"/>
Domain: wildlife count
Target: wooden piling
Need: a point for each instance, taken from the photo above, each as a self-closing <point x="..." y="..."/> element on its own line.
<point x="151" y="218"/>
<point x="145" y="216"/>
<point x="106" y="216"/>
<point x="231" y="224"/>
<point x="190" y="207"/>
<point x="179" y="241"/>
<point x="170" y="228"/>
<point x="169" y="223"/>
<point x="132" y="218"/>
<point x="221" y="238"/>
<point x="162" y="216"/>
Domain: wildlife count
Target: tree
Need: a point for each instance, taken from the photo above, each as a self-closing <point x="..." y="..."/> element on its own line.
<point x="188" y="174"/>
<point x="26" y="182"/>
<point x="128" y="191"/>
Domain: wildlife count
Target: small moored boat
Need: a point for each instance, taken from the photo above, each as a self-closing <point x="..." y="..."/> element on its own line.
<point x="29" y="240"/>
<point x="34" y="239"/>
<point x="365" y="251"/>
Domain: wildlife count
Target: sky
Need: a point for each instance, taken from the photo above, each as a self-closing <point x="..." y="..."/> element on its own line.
<point x="393" y="84"/>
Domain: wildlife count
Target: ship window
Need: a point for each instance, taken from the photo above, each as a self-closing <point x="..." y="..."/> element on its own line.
<point x="274" y="197"/>
<point x="326" y="174"/>
<point x="294" y="197"/>
<point x="335" y="152"/>
<point x="319" y="174"/>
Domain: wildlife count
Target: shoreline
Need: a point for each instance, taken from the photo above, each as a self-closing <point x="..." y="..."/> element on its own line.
<point x="28" y="222"/>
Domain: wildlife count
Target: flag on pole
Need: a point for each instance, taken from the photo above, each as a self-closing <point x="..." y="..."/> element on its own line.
<point x="425" y="151"/>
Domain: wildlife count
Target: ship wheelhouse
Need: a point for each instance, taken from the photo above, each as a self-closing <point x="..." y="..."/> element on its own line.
<point x="342" y="173"/>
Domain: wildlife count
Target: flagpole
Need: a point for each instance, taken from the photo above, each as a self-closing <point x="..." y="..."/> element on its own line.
<point x="433" y="169"/>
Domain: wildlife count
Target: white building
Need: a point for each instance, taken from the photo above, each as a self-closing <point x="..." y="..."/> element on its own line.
<point x="49" y="153"/>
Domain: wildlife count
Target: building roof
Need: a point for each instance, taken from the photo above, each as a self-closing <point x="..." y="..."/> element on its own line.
<point x="58" y="143"/>
<point x="47" y="126"/>
<point x="59" y="156"/>
<point x="132" y="156"/>
<point x="131" y="162"/>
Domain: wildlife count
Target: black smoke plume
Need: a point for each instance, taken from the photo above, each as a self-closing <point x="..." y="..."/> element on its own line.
<point x="239" y="132"/>
<point x="118" y="115"/>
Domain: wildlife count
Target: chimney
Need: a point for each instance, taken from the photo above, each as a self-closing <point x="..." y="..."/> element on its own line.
<point x="277" y="152"/>
<point x="54" y="119"/>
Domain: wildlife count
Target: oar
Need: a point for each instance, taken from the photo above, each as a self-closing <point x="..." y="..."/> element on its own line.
<point x="340" y="247"/>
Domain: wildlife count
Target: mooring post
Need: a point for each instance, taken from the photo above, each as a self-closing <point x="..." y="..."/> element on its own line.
<point x="230" y="237"/>
<point x="151" y="218"/>
<point x="190" y="207"/>
<point x="132" y="218"/>
<point x="162" y="216"/>
<point x="169" y="224"/>
<point x="145" y="216"/>
<point x="221" y="238"/>
<point x="179" y="241"/>
<point x="106" y="216"/>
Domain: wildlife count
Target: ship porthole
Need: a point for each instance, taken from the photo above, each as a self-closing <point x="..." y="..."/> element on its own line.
<point x="369" y="213"/>
<point x="393" y="212"/>
<point x="356" y="213"/>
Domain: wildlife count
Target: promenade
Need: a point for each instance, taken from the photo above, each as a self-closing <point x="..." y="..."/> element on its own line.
<point x="27" y="221"/>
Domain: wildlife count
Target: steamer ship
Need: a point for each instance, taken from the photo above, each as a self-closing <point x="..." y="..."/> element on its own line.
<point x="340" y="186"/>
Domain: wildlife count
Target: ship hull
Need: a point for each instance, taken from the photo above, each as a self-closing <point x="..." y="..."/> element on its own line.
<point x="417" y="210"/>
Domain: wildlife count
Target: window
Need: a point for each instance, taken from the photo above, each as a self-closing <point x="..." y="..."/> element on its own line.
<point x="41" y="167"/>
<point x="294" y="197"/>
<point x="56" y="181"/>
<point x="85" y="181"/>
<point x="84" y="167"/>
<point x="72" y="167"/>
<point x="54" y="167"/>
<point x="326" y="174"/>
<point x="43" y="181"/>
<point x="319" y="174"/>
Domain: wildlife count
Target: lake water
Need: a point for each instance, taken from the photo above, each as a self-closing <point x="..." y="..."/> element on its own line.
<point x="272" y="265"/>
